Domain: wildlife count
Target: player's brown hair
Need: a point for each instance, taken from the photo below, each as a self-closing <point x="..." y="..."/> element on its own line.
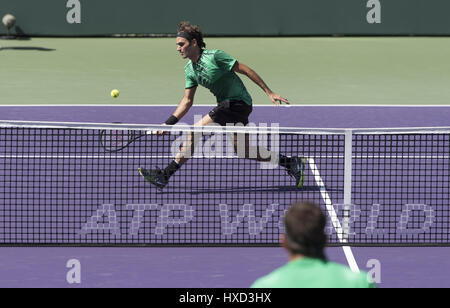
<point x="194" y="31"/>
<point x="305" y="230"/>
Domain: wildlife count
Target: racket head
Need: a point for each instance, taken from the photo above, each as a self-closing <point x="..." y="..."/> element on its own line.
<point x="116" y="140"/>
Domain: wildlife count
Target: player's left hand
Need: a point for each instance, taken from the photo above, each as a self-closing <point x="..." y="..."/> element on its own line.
<point x="277" y="99"/>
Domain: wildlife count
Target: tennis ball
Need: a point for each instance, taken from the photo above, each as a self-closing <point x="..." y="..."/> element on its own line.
<point x="115" y="93"/>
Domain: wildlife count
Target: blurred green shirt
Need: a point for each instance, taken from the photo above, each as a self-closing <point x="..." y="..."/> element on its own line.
<point x="214" y="71"/>
<point x="313" y="273"/>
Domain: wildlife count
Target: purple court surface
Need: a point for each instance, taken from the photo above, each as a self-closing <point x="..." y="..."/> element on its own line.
<point x="219" y="267"/>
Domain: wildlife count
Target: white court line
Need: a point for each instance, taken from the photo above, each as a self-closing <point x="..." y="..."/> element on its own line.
<point x="333" y="216"/>
<point x="116" y="156"/>
<point x="106" y="156"/>
<point x="213" y="105"/>
<point x="396" y="156"/>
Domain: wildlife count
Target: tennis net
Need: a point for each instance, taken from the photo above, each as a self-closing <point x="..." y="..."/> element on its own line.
<point x="78" y="184"/>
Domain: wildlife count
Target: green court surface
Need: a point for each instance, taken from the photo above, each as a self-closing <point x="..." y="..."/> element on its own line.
<point x="380" y="70"/>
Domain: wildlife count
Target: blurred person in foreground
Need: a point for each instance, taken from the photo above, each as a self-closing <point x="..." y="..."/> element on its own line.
<point x="308" y="267"/>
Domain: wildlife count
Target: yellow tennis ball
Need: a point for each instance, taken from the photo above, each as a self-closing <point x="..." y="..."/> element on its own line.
<point x="115" y="93"/>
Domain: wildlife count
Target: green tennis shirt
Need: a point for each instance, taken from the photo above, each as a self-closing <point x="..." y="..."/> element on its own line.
<point x="313" y="273"/>
<point x="214" y="71"/>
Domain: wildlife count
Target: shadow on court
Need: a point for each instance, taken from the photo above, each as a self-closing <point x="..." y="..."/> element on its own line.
<point x="23" y="48"/>
<point x="275" y="189"/>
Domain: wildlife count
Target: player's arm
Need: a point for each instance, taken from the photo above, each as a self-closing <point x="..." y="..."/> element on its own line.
<point x="241" y="68"/>
<point x="183" y="107"/>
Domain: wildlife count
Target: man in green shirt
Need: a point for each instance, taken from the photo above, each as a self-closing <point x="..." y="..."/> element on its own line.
<point x="308" y="266"/>
<point x="216" y="71"/>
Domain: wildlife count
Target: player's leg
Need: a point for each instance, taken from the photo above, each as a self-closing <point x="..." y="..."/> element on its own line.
<point x="160" y="177"/>
<point x="239" y="112"/>
<point x="192" y="139"/>
<point x="295" y="166"/>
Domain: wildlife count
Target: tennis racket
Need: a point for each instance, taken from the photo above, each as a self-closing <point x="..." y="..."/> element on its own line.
<point x="117" y="140"/>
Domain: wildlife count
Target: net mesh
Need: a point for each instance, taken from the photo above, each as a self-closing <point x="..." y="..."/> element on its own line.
<point x="62" y="186"/>
<point x="402" y="187"/>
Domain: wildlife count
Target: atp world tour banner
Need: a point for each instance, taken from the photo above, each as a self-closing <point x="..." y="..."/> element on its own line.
<point x="236" y="17"/>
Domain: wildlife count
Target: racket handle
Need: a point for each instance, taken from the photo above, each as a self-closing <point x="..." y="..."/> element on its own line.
<point x="156" y="132"/>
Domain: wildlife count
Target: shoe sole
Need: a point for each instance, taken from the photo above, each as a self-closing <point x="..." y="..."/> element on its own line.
<point x="146" y="178"/>
<point x="302" y="179"/>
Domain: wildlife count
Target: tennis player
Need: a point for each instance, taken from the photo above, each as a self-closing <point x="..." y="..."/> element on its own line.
<point x="308" y="267"/>
<point x="216" y="70"/>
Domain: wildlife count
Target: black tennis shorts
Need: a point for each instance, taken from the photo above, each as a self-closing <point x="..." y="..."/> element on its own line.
<point x="231" y="112"/>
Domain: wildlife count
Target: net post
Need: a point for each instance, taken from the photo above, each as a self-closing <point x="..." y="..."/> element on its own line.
<point x="348" y="153"/>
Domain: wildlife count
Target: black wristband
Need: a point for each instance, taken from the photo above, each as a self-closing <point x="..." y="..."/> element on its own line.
<point x="172" y="120"/>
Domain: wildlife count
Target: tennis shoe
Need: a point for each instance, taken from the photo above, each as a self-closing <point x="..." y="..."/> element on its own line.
<point x="155" y="177"/>
<point x="297" y="170"/>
